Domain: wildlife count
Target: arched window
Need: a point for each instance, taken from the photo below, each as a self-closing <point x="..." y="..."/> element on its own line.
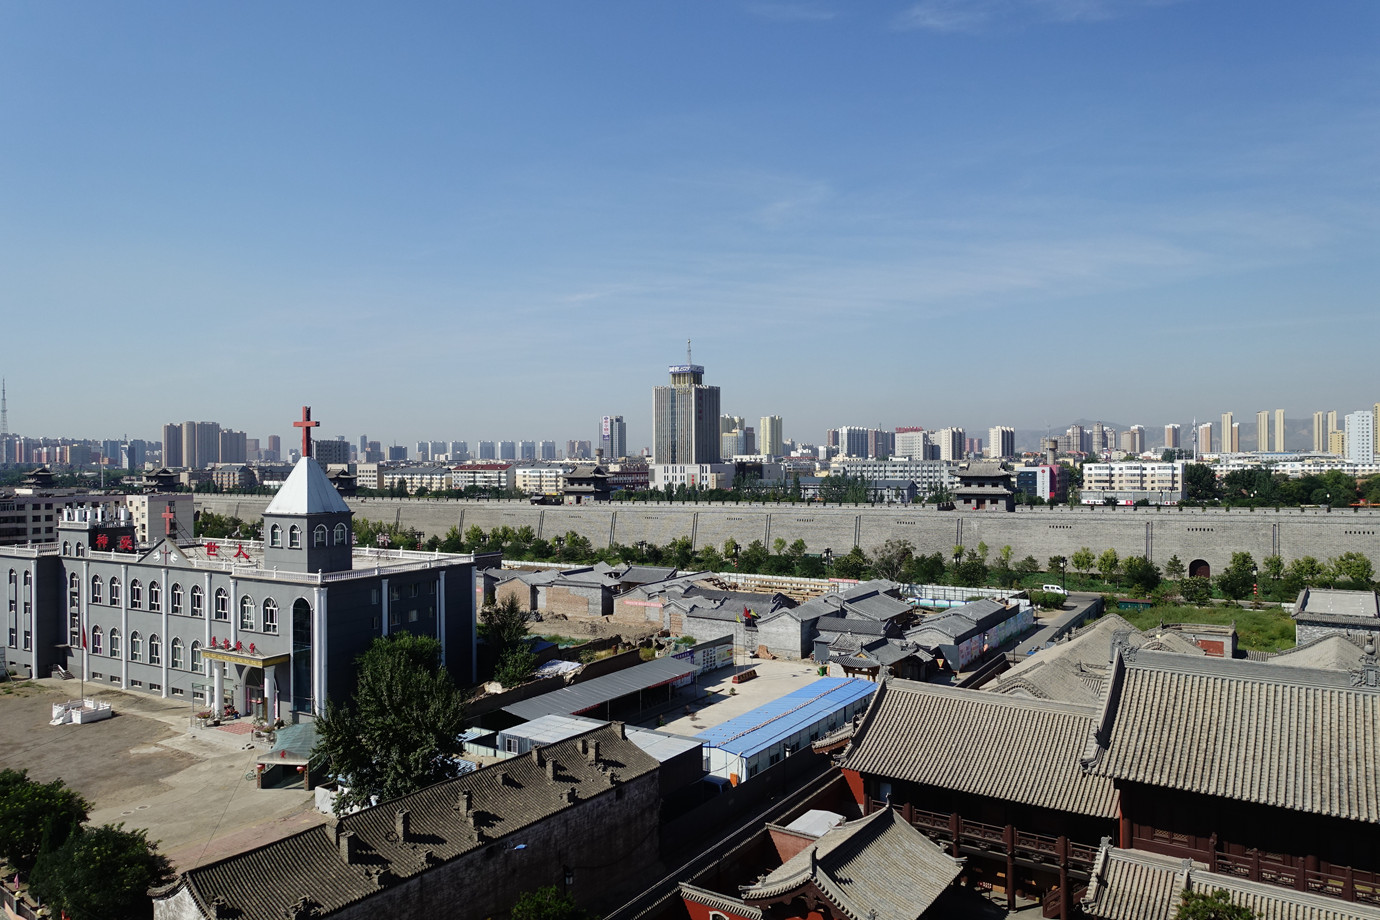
<point x="275" y="535"/>
<point x="342" y="535"/>
<point x="114" y="591"/>
<point x="66" y="548"/>
<point x="114" y="642"/>
<point x="176" y="594"/>
<point x="222" y="604"/>
<point x="74" y="590"/>
<point x="294" y="537"/>
<point x="246" y="612"/>
<point x="81" y="549"/>
<point x="136" y="646"/>
<point x="96" y="589"/>
<point x="155" y="649"/>
<point x="175" y="661"/>
<point x="155" y="596"/>
<point x="318" y="536"/>
<point x="197" y="664"/>
<point x="96" y="641"/>
<point x="136" y="594"/>
<point x="270" y="616"/>
<point x="198" y="602"/>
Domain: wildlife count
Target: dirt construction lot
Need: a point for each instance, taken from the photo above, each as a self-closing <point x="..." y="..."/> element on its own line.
<point x="146" y="767"/>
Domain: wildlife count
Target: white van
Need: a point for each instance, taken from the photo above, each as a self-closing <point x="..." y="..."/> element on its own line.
<point x="1053" y="589"/>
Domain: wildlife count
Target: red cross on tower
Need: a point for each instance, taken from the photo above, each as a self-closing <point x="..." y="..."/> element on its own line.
<point x="169" y="520"/>
<point x="306" y="424"/>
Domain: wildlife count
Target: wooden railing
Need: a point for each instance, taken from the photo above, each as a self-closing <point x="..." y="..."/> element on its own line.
<point x="1346" y="885"/>
<point x="972" y="835"/>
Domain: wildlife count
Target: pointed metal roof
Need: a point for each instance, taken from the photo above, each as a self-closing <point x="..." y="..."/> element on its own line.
<point x="307" y="491"/>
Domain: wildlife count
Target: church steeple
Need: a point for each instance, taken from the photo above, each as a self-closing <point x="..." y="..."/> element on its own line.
<point x="308" y="527"/>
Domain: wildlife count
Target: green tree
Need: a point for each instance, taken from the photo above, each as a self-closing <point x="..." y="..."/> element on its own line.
<point x="1109" y="565"/>
<point x="515" y="664"/>
<point x="1196" y="590"/>
<point x="971" y="572"/>
<point x="1215" y="906"/>
<point x="1027" y="567"/>
<point x="752" y="557"/>
<point x="505" y="623"/>
<point x="1058" y="564"/>
<point x="1174" y="568"/>
<point x="1083" y="561"/>
<point x="549" y="903"/>
<point x="1142" y="575"/>
<point x="1238" y="579"/>
<point x="32" y="813"/>
<point x="400" y="731"/>
<point x="890" y="560"/>
<point x="1352" y="567"/>
<point x="1200" y="483"/>
<point x="854" y="564"/>
<point x="101" y="872"/>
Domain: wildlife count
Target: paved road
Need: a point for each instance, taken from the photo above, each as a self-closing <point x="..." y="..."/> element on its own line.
<point x="1052" y="627"/>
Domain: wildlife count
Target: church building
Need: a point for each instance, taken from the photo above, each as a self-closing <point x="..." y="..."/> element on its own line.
<point x="270" y="628"/>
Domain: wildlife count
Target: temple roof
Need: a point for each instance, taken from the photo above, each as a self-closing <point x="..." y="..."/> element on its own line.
<point x="307" y="491"/>
<point x="1297" y="738"/>
<point x="876" y="867"/>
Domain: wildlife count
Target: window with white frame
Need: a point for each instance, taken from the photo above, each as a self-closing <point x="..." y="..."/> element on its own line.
<point x="96" y="644"/>
<point x="342" y="535"/>
<point x="176" y="596"/>
<point x="198" y="601"/>
<point x="246" y="612"/>
<point x="155" y="596"/>
<point x="197" y="664"/>
<point x="114" y="642"/>
<point x="136" y="646"/>
<point x="294" y="537"/>
<point x="275" y="535"/>
<point x="136" y="595"/>
<point x="155" y="649"/>
<point x="222" y="604"/>
<point x="114" y="591"/>
<point x="318" y="535"/>
<point x="271" y="616"/>
<point x="175" y="654"/>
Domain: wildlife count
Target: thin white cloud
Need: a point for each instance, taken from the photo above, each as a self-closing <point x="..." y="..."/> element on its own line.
<point x="976" y="15"/>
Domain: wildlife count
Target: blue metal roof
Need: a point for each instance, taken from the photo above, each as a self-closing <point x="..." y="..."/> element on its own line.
<point x="766" y="725"/>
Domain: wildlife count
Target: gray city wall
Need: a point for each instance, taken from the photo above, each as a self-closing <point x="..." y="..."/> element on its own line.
<point x="1158" y="533"/>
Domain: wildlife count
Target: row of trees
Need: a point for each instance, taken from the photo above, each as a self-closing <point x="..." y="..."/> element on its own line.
<point x="82" y="872"/>
<point x="898" y="560"/>
<point x="1263" y="488"/>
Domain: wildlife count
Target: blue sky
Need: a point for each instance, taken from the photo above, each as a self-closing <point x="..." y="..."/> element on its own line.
<point x="460" y="220"/>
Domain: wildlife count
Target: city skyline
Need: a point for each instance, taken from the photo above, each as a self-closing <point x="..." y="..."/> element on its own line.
<point x="437" y="221"/>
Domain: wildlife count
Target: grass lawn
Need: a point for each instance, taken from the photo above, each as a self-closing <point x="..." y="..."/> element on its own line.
<point x="1267" y="630"/>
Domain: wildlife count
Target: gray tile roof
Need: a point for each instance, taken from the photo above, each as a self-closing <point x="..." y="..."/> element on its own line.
<point x="1318" y="602"/>
<point x="263" y="883"/>
<point x="878" y="867"/>
<point x="1297" y="738"/>
<point x="982" y="743"/>
<point x="1340" y="653"/>
<point x="1136" y="885"/>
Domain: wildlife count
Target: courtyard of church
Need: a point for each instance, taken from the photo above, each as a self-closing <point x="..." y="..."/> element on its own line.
<point x="151" y="767"/>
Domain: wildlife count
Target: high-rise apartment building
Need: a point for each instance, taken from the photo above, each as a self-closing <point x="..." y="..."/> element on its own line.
<point x="487" y="450"/>
<point x="546" y="450"/>
<point x="685" y="418"/>
<point x="275" y="449"/>
<point x="1336" y="443"/>
<point x="1262" y="430"/>
<point x="527" y="450"/>
<point x="952" y="443"/>
<point x="233" y="447"/>
<point x="1001" y="442"/>
<point x="507" y="450"/>
<point x="459" y="451"/>
<point x="1229" y="445"/>
<point x="1319" y="432"/>
<point x="200" y="444"/>
<point x="1331" y="424"/>
<point x="423" y="451"/>
<point x="912" y="442"/>
<point x="1278" y="444"/>
<point x="1360" y="436"/>
<point x="613" y="437"/>
<point x="1204" y="439"/>
<point x="769" y="433"/>
<point x="172" y="445"/>
<point x="1235" y="437"/>
<point x="1133" y="440"/>
<point x="1171" y="437"/>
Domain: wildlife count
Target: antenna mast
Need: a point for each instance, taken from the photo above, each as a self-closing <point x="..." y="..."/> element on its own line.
<point x="688" y="359"/>
<point x="4" y="413"/>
